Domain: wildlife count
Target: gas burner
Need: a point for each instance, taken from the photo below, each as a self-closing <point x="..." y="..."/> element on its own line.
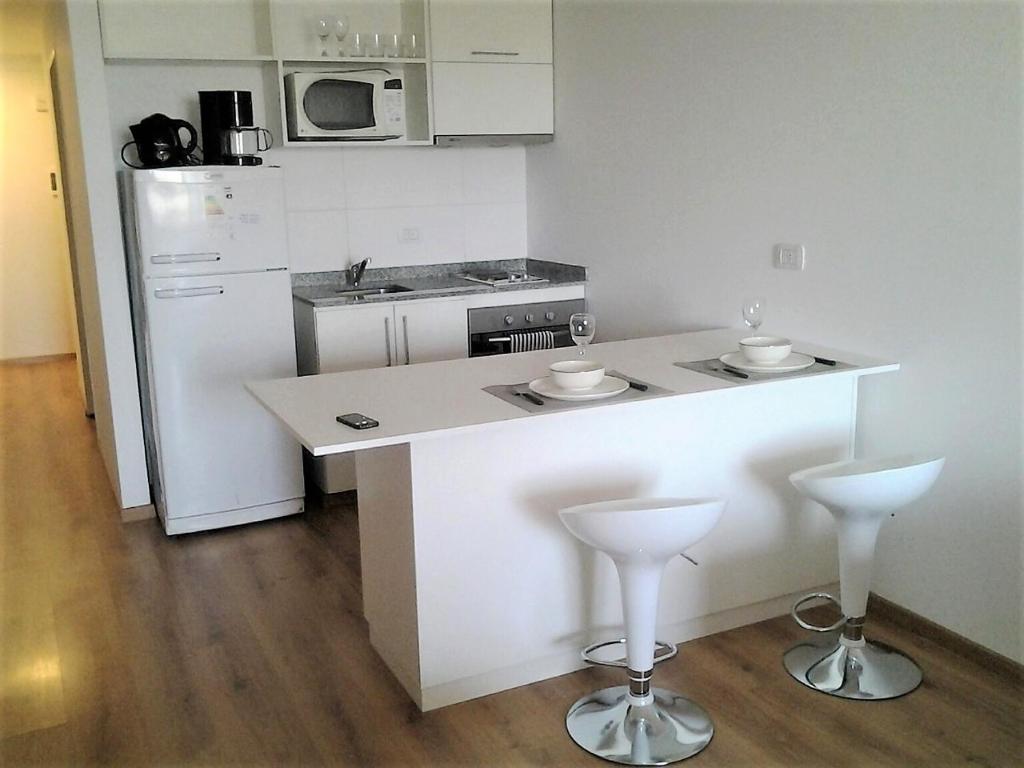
<point x="501" y="277"/>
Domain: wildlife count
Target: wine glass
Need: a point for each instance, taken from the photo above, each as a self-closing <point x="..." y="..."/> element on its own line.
<point x="753" y="312"/>
<point x="322" y="27"/>
<point x="340" y="30"/>
<point x="582" y="326"/>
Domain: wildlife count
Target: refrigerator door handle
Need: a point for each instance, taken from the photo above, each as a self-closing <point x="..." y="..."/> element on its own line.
<point x="184" y="258"/>
<point x="181" y="293"/>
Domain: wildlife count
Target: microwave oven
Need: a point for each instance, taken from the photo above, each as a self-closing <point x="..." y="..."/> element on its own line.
<point x="345" y="106"/>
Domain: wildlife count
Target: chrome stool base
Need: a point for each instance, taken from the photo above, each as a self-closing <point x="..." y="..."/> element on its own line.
<point x="874" y="671"/>
<point x="671" y="728"/>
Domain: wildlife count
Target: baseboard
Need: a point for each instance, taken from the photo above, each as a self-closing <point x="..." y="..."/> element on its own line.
<point x="38" y="359"/>
<point x="564" y="662"/>
<point x="947" y="638"/>
<point x="134" y="514"/>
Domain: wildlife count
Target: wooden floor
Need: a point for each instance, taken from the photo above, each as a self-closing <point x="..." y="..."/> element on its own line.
<point x="247" y="647"/>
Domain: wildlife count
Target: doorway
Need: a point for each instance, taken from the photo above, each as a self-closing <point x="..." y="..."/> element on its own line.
<point x="57" y="185"/>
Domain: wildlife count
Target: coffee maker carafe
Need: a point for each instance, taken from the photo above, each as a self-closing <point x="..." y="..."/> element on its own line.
<point x="229" y="136"/>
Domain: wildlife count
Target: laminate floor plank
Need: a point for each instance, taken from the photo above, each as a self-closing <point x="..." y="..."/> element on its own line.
<point x="121" y="646"/>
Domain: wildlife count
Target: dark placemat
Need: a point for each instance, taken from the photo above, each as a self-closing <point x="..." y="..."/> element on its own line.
<point x="713" y="367"/>
<point x="505" y="392"/>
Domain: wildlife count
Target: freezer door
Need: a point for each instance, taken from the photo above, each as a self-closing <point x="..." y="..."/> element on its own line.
<point x="217" y="448"/>
<point x="209" y="221"/>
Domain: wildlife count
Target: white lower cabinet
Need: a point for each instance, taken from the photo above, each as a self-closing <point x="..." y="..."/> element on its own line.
<point x="351" y="338"/>
<point x="426" y="331"/>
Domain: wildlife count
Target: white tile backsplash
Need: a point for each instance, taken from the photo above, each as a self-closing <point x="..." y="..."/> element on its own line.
<point x="495" y="231"/>
<point x="494" y="175"/>
<point x="317" y="241"/>
<point x="379" y="178"/>
<point x="347" y="204"/>
<point x="376" y="232"/>
<point x="313" y="181"/>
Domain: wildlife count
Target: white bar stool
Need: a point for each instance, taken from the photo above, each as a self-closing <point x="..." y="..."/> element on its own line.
<point x="637" y="724"/>
<point x="859" y="494"/>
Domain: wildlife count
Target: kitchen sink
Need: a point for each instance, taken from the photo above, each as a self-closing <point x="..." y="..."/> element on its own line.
<point x="369" y="291"/>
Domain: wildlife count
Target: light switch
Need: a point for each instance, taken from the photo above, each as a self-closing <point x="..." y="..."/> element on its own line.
<point x="789" y="256"/>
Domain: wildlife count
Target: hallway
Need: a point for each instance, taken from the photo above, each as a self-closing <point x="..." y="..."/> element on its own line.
<point x="247" y="646"/>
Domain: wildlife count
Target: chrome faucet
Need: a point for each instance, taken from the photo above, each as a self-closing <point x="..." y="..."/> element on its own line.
<point x="355" y="272"/>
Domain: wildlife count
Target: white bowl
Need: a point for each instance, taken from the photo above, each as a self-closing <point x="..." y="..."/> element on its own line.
<point x="576" y="374"/>
<point x="766" y="349"/>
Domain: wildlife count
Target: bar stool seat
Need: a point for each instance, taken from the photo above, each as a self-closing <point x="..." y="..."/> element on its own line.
<point x="638" y="724"/>
<point x="860" y="495"/>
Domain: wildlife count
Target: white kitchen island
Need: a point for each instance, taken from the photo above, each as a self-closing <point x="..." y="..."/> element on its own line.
<point x="470" y="583"/>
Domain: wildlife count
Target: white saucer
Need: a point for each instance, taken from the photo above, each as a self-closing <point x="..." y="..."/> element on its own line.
<point x="610" y="386"/>
<point x="795" y="362"/>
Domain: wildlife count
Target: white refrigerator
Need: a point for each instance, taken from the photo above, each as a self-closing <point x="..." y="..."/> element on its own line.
<point x="212" y="310"/>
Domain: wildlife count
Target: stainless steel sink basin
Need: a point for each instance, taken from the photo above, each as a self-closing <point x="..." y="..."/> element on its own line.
<point x="370" y="290"/>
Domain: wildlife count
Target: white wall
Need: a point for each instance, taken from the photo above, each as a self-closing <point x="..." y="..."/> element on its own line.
<point x="92" y="193"/>
<point x="692" y="136"/>
<point x="36" y="309"/>
<point x="347" y="204"/>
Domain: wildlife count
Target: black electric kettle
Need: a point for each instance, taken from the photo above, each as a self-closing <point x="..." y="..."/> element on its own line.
<point x="158" y="142"/>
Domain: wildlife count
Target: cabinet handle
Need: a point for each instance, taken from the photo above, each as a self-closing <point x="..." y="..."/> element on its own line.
<point x="494" y="53"/>
<point x="181" y="293"/>
<point x="405" y="335"/>
<point x="184" y="258"/>
<point x="387" y="339"/>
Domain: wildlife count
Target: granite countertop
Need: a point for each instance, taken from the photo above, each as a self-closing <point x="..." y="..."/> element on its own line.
<point x="320" y="289"/>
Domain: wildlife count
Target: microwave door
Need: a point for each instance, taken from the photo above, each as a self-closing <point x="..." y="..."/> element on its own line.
<point x="340" y="106"/>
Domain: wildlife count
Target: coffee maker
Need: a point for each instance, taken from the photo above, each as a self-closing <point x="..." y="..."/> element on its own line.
<point x="229" y="136"/>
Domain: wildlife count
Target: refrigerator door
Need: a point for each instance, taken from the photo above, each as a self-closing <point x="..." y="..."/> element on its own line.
<point x="216" y="447"/>
<point x="209" y="220"/>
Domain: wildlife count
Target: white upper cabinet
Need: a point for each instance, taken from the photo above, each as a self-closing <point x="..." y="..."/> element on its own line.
<point x="176" y="29"/>
<point x="510" y="31"/>
<point x="492" y="71"/>
<point x="493" y="99"/>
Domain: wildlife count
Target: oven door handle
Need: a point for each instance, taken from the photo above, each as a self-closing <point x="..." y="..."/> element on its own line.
<point x="506" y="339"/>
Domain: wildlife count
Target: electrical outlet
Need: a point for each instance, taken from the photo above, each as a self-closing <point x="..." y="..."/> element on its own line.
<point x="789" y="256"/>
<point x="409" y="235"/>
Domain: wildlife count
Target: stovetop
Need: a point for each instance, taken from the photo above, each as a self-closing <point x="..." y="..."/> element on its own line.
<point x="501" y="277"/>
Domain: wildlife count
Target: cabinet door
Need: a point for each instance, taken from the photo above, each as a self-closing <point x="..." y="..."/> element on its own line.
<point x="474" y="99"/>
<point x="491" y="30"/>
<point x="225" y="29"/>
<point x="431" y="330"/>
<point x="352" y="338"/>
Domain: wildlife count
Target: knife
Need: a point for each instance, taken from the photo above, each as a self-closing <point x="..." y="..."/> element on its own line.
<point x="520" y="389"/>
<point x="823" y="360"/>
<point x="733" y="371"/>
<point x="635" y="384"/>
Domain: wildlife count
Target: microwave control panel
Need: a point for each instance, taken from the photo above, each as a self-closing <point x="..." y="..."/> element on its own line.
<point x="394" y="104"/>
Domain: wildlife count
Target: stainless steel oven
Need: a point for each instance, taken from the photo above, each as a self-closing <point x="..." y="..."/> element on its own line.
<point x="521" y="327"/>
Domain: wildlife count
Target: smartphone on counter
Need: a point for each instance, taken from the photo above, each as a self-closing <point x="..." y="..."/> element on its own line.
<point x="358" y="421"/>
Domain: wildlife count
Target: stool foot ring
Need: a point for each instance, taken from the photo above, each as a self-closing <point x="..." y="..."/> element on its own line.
<point x="873" y="672"/>
<point x="586" y="654"/>
<point x="795" y="612"/>
<point x="606" y="724"/>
